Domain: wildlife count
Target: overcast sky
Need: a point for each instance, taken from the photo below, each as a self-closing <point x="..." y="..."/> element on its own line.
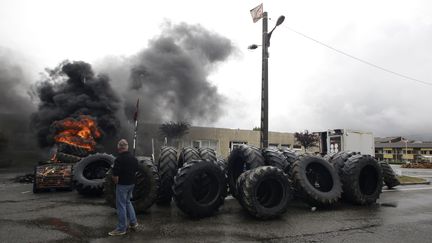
<point x="311" y="86"/>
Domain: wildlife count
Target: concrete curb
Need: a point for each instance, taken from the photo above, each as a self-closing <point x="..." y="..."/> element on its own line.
<point x="416" y="183"/>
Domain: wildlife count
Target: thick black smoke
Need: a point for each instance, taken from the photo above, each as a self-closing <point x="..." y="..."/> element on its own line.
<point x="15" y="103"/>
<point x="171" y="76"/>
<point x="14" y="99"/>
<point x="71" y="90"/>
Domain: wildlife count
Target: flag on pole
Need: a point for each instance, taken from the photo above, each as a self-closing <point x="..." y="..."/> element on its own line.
<point x="136" y="111"/>
<point x="257" y="13"/>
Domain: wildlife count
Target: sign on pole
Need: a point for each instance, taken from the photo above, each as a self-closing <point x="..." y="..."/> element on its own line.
<point x="257" y="13"/>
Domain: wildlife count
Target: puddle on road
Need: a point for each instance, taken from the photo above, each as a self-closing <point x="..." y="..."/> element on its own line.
<point x="74" y="230"/>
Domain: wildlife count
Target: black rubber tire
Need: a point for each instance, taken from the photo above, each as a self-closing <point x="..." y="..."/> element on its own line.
<point x="274" y="157"/>
<point x="45" y="162"/>
<point x="89" y="173"/>
<point x="329" y="156"/>
<point x="290" y="157"/>
<point x="239" y="184"/>
<point x="222" y="165"/>
<point x="199" y="188"/>
<point x="145" y="191"/>
<point x="265" y="192"/>
<point x="339" y="159"/>
<point x="241" y="159"/>
<point x="207" y="154"/>
<point x="67" y="158"/>
<point x="389" y="176"/>
<point x="362" y="180"/>
<point x="72" y="150"/>
<point x="167" y="169"/>
<point x="188" y="154"/>
<point x="315" y="181"/>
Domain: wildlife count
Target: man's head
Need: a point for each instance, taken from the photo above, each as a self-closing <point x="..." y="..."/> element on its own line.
<point x="122" y="145"/>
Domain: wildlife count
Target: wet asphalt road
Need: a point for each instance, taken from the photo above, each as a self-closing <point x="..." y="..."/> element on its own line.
<point x="401" y="215"/>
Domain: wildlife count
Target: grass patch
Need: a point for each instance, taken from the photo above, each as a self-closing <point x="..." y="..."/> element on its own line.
<point x="410" y="180"/>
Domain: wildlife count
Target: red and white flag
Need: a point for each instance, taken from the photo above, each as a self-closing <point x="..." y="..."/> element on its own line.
<point x="257" y="13"/>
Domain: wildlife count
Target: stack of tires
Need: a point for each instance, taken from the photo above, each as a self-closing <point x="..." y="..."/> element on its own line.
<point x="196" y="180"/>
<point x="68" y="153"/>
<point x="264" y="181"/>
<point x="361" y="177"/>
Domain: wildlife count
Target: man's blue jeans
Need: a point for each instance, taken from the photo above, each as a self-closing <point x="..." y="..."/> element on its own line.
<point x="125" y="210"/>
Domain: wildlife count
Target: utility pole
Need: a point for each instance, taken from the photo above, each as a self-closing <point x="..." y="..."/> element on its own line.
<point x="256" y="14"/>
<point x="264" y="86"/>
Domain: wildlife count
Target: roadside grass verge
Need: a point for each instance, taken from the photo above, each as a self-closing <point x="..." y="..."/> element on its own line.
<point x="407" y="180"/>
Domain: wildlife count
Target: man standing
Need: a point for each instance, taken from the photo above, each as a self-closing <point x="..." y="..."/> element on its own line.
<point x="125" y="167"/>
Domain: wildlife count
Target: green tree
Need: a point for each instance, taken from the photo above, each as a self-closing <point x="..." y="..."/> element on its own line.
<point x="173" y="131"/>
<point x="306" y="139"/>
<point x="256" y="129"/>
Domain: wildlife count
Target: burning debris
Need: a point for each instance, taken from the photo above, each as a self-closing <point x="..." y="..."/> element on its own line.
<point x="81" y="132"/>
<point x="74" y="99"/>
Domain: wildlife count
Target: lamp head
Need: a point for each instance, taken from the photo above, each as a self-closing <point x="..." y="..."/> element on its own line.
<point x="280" y="20"/>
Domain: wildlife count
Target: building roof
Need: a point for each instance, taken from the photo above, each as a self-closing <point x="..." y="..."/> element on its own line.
<point x="388" y="139"/>
<point x="403" y="145"/>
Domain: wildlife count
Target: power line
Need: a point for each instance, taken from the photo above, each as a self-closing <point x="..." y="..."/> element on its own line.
<point x="359" y="59"/>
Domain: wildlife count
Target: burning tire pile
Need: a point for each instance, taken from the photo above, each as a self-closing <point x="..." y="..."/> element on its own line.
<point x="57" y="173"/>
<point x="263" y="181"/>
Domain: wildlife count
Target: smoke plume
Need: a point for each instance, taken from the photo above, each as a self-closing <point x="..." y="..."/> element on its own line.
<point x="171" y="75"/>
<point x="14" y="99"/>
<point x="69" y="91"/>
<point x="15" y="103"/>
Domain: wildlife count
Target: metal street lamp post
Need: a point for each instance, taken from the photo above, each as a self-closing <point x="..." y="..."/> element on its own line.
<point x="264" y="79"/>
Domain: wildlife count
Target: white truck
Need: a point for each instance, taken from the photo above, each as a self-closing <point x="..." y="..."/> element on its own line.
<point x="333" y="141"/>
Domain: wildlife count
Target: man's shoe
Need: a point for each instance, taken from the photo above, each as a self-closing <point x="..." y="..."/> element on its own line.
<point x="117" y="232"/>
<point x="134" y="227"/>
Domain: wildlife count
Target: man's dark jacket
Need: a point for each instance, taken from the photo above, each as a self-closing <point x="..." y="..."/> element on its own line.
<point x="125" y="167"/>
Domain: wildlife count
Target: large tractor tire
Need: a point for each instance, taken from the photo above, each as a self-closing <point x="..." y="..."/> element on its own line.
<point x="273" y="157"/>
<point x="389" y="176"/>
<point x="290" y="157"/>
<point x="207" y="154"/>
<point x="329" y="156"/>
<point x="264" y="192"/>
<point x="316" y="181"/>
<point x="67" y="158"/>
<point x="199" y="188"/>
<point x="145" y="191"/>
<point x="188" y="154"/>
<point x="167" y="168"/>
<point x="89" y="173"/>
<point x="241" y="159"/>
<point x="339" y="159"/>
<point x="222" y="164"/>
<point x="362" y="180"/>
<point x="239" y="184"/>
<point x="73" y="150"/>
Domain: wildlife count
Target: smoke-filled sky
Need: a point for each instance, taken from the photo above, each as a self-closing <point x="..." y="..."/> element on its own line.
<point x="311" y="86"/>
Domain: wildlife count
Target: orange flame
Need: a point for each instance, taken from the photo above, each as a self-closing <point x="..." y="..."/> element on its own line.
<point x="80" y="132"/>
